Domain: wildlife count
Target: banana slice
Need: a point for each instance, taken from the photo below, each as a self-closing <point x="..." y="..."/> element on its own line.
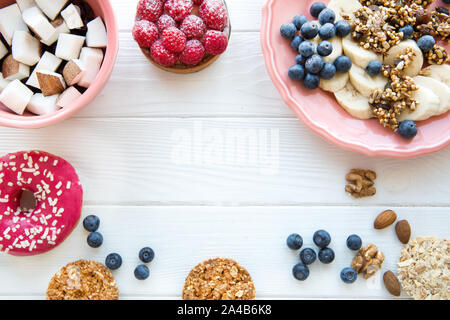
<point x="334" y="84"/>
<point x="365" y="83"/>
<point x="438" y="72"/>
<point x="358" y="54"/>
<point x="415" y="65"/>
<point x="336" y="42"/>
<point x="439" y="88"/>
<point x="428" y="105"/>
<point x="341" y="7"/>
<point x="353" y="102"/>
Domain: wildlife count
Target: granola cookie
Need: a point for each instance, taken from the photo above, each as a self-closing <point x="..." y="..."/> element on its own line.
<point x="423" y="268"/>
<point x="83" y="280"/>
<point x="219" y="279"/>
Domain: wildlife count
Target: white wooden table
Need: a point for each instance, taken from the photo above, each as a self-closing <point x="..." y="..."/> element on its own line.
<point x="155" y="159"/>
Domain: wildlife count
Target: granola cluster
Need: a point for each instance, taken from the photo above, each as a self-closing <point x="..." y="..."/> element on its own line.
<point x="436" y="23"/>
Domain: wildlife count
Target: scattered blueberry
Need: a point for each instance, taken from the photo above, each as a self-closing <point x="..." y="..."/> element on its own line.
<point x="95" y="239"/>
<point x="288" y="30"/>
<point x="327" y="16"/>
<point x="300" y="272"/>
<point x="328" y="71"/>
<point x="324" y="48"/>
<point x="299" y="59"/>
<point x="326" y="255"/>
<point x="348" y="275"/>
<point x="141" y="272"/>
<point x="321" y="238"/>
<point x="311" y="81"/>
<point x="316" y="8"/>
<point x="299" y="20"/>
<point x="113" y="261"/>
<point x="342" y="28"/>
<point x="354" y="242"/>
<point x="146" y="255"/>
<point x="296" y="42"/>
<point x="314" y="64"/>
<point x="374" y="68"/>
<point x="407" y="32"/>
<point x="91" y="223"/>
<point x="296" y="72"/>
<point x="308" y="256"/>
<point x="407" y="129"/>
<point x="426" y="42"/>
<point x="306" y="48"/>
<point x="327" y="31"/>
<point x="342" y="64"/>
<point x="294" y="241"/>
<point x="309" y="30"/>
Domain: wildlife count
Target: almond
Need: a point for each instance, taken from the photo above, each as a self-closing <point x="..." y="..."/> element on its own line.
<point x="392" y="284"/>
<point x="385" y="219"/>
<point x="403" y="230"/>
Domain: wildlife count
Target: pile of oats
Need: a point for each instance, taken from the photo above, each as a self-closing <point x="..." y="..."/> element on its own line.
<point x="423" y="268"/>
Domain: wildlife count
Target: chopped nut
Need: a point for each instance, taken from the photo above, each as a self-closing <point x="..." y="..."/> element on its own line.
<point x="361" y="183"/>
<point x="368" y="261"/>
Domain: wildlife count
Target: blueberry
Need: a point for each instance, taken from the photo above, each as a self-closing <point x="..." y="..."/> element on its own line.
<point x="326" y="255"/>
<point x="95" y="239"/>
<point x="316" y="8"/>
<point x="141" y="272"/>
<point x="296" y="42"/>
<point x="324" y="48"/>
<point x="91" y="223"/>
<point x="296" y="72"/>
<point x="311" y="81"/>
<point x="314" y="64"/>
<point x="299" y="59"/>
<point x="327" y="31"/>
<point x="374" y="68"/>
<point x="306" y="48"/>
<point x="299" y="20"/>
<point x="326" y="16"/>
<point x="300" y="272"/>
<point x="342" y="64"/>
<point x="294" y="241"/>
<point x="342" y="28"/>
<point x="348" y="275"/>
<point x="321" y="238"/>
<point x="146" y="254"/>
<point x="354" y="242"/>
<point x="113" y="261"/>
<point x="426" y="43"/>
<point x="308" y="256"/>
<point x="288" y="30"/>
<point x="407" y="129"/>
<point x="407" y="32"/>
<point x="309" y="30"/>
<point x="328" y="71"/>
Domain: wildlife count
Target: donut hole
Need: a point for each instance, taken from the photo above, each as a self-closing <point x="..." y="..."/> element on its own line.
<point x="27" y="200"/>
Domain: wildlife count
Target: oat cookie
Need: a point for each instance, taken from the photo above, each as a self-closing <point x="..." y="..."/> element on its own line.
<point x="219" y="279"/>
<point x="423" y="268"/>
<point x="83" y="280"/>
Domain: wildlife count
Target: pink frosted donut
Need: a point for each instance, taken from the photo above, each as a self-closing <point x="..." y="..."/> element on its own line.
<point x="59" y="198"/>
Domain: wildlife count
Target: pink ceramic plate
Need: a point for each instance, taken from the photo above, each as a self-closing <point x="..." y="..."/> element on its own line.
<point x="320" y="111"/>
<point x="103" y="9"/>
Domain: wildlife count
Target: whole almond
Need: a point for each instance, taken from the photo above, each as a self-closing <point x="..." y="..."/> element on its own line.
<point x="385" y="219"/>
<point x="392" y="284"/>
<point x="403" y="230"/>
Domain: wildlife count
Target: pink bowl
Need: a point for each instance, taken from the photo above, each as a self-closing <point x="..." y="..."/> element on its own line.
<point x="320" y="111"/>
<point x="103" y="9"/>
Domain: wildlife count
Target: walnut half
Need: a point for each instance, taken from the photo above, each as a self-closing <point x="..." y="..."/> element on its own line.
<point x="361" y="183"/>
<point x="368" y="261"/>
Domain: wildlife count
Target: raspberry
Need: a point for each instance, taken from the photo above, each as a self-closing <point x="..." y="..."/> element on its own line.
<point x="193" y="53"/>
<point x="179" y="9"/>
<point x="165" y="21"/>
<point x="215" y="42"/>
<point x="149" y="9"/>
<point x="145" y="33"/>
<point x="161" y="55"/>
<point x="193" y="27"/>
<point x="173" y="39"/>
<point x="214" y="13"/>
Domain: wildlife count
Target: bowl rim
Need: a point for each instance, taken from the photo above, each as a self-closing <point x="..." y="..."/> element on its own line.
<point x="268" y="53"/>
<point x="35" y="122"/>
